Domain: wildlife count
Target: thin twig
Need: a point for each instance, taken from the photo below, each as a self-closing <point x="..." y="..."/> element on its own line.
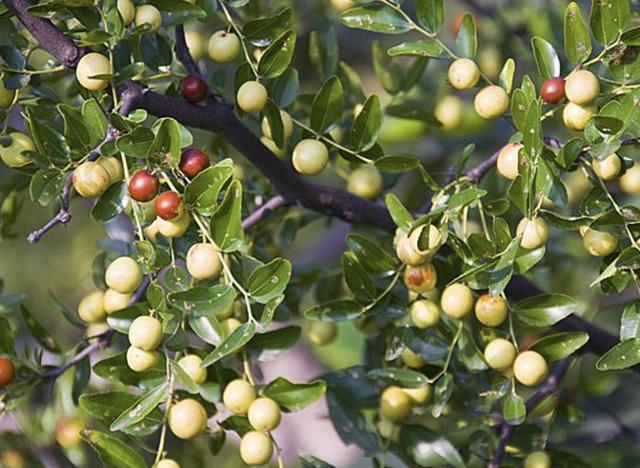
<point x="262" y="211"/>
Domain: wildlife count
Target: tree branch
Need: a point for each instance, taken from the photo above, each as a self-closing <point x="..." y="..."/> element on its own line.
<point x="263" y="211"/>
<point x="183" y="54"/>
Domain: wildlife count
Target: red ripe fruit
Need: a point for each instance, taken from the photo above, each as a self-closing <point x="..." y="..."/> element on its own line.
<point x="193" y="161"/>
<point x="169" y="205"/>
<point x="194" y="89"/>
<point x="143" y="186"/>
<point x="552" y="90"/>
<point x="7" y="372"/>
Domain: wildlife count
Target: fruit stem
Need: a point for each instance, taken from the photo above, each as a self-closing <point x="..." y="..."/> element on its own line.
<point x="237" y="31"/>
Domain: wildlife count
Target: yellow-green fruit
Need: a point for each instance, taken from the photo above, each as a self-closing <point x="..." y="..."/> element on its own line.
<point x="174" y="227"/>
<point x="537" y="459"/>
<point x="148" y="210"/>
<point x="395" y="404"/>
<point x="434" y="239"/>
<point x="449" y="112"/>
<point x="127" y="11"/>
<point x="203" y="261"/>
<point x="456" y="300"/>
<point x="238" y="396"/>
<point x="151" y="231"/>
<point x="464" y="73"/>
<point x="419" y="396"/>
<point x="93" y="64"/>
<point x="490" y="61"/>
<point x="530" y="368"/>
<point x="607" y="168"/>
<point x="535" y="232"/>
<point x="407" y="252"/>
<point x="113" y="300"/>
<point x="310" y="157"/>
<point x="421" y="278"/>
<point x="11" y="458"/>
<point x="508" y="158"/>
<point x="167" y="463"/>
<point x="491" y="102"/>
<point x="411" y="359"/>
<point x="582" y="87"/>
<point x="192" y="365"/>
<point x="271" y="145"/>
<point x="91" y="307"/>
<point x="6" y="96"/>
<point x="630" y="181"/>
<point x="366" y="182"/>
<point x="224" y="47"/>
<point x="287" y="126"/>
<point x="256" y="448"/>
<point x="139" y="360"/>
<point x="342" y="4"/>
<point x="113" y="166"/>
<point x="599" y="243"/>
<point x="187" y="419"/>
<point x="576" y="117"/>
<point x="94" y="330"/>
<point x="388" y="430"/>
<point x="90" y="179"/>
<point x="197" y="44"/>
<point x="68" y="431"/>
<point x="500" y="354"/>
<point x="424" y="313"/>
<point x="229" y="326"/>
<point x="252" y="96"/>
<point x="264" y="414"/>
<point x="491" y="311"/>
<point x="145" y="333"/>
<point x="321" y="333"/>
<point x="12" y="155"/>
<point x="124" y="275"/>
<point x="148" y="14"/>
<point x="577" y="185"/>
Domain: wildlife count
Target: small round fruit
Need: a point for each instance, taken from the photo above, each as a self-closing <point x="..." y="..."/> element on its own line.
<point x="500" y="354"/>
<point x="90" y="65"/>
<point x="322" y="333"/>
<point x="169" y="205"/>
<point x="252" y="96"/>
<point x="113" y="166"/>
<point x="127" y="11"/>
<point x="264" y="414"/>
<point x="630" y="181"/>
<point x="167" y="463"/>
<point x="411" y="359"/>
<point x="388" y="430"/>
<point x="448" y="112"/>
<point x="68" y="432"/>
<point x="530" y="368"/>
<point x="7" y="372"/>
<point x="395" y="404"/>
<point x="124" y="275"/>
<point x="310" y="157"/>
<point x="408" y="253"/>
<point x="224" y="47"/>
<point x="419" y="396"/>
<point x="256" y="448"/>
<point x="287" y="126"/>
<point x="538" y="459"/>
<point x="366" y="182"/>
<point x="238" y="396"/>
<point x="491" y="311"/>
<point x="456" y="300"/>
<point x="271" y="146"/>
<point x="203" y="261"/>
<point x="535" y="232"/>
<point x="607" y="168"/>
<point x="91" y="307"/>
<point x="175" y="227"/>
<point x="143" y="186"/>
<point x="94" y="330"/>
<point x="139" y="360"/>
<point x="342" y="4"/>
<point x="491" y="102"/>
<point x="193" y="162"/>
<point x="464" y="73"/>
<point x="229" y="326"/>
<point x="424" y="313"/>
<point x="90" y="179"/>
<point x="113" y="300"/>
<point x="552" y="90"/>
<point x="599" y="243"/>
<point x="576" y="117"/>
<point x="12" y="155"/>
<point x="194" y="89"/>
<point x="490" y="61"/>
<point x="582" y="87"/>
<point x="187" y="419"/>
<point x="6" y="96"/>
<point x="421" y="278"/>
<point x="192" y="365"/>
<point x="148" y="14"/>
<point x="507" y="164"/>
<point x="12" y="458"/>
<point x="197" y="44"/>
<point x="145" y="333"/>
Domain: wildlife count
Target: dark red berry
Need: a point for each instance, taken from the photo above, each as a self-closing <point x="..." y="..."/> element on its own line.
<point x="194" y="89"/>
<point x="193" y="161"/>
<point x="552" y="90"/>
<point x="143" y="186"/>
<point x="169" y="205"/>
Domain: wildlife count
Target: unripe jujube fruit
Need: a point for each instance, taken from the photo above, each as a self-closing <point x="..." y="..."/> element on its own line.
<point x="599" y="243"/>
<point x="490" y="61"/>
<point x="421" y="278"/>
<point x="187" y="419"/>
<point x="535" y="232"/>
<point x="256" y="448"/>
<point x="552" y="90"/>
<point x="607" y="168"/>
<point x="491" y="102"/>
<point x="582" y="87"/>
<point x="424" y="313"/>
<point x="500" y="354"/>
<point x="310" y="157"/>
<point x="167" y="463"/>
<point x="143" y="186"/>
<point x="127" y="11"/>
<point x="192" y="365"/>
<point x="91" y="307"/>
<point x="456" y="300"/>
<point x="203" y="261"/>
<point x="408" y="247"/>
<point x="238" y="396"/>
<point x="90" y="179"/>
<point x="252" y="96"/>
<point x="145" y="333"/>
<point x="464" y="73"/>
<point x="395" y="404"/>
<point x="539" y="459"/>
<point x="412" y="359"/>
<point x="68" y="432"/>
<point x="229" y="326"/>
<point x="124" y="275"/>
<point x="113" y="166"/>
<point x="530" y="368"/>
<point x="576" y="117"/>
<point x="271" y="145"/>
<point x="419" y="396"/>
<point x="508" y="158"/>
<point x="113" y="300"/>
<point x="194" y="89"/>
<point x="169" y="205"/>
<point x="94" y="330"/>
<point x="630" y="181"/>
<point x="342" y="4"/>
<point x="264" y="414"/>
<point x="13" y="155"/>
<point x="6" y="96"/>
<point x="7" y="372"/>
<point x="491" y="311"/>
<point x="148" y="14"/>
<point x="93" y="64"/>
<point x="193" y="162"/>
<point x="321" y="333"/>
<point x="139" y="360"/>
<point x="224" y="47"/>
<point x="287" y="126"/>
<point x="174" y="227"/>
<point x="448" y="112"/>
<point x="196" y="43"/>
<point x="365" y="181"/>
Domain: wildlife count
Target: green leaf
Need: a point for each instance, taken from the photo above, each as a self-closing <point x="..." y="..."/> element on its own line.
<point x="366" y="127"/>
<point x="328" y="105"/>
<point x="95" y="120"/>
<point x="203" y="191"/>
<point x="622" y="356"/>
<point x="467" y="39"/>
<point x="335" y="311"/>
<point x="226" y="224"/>
<point x="285" y="90"/>
<point x="506" y="75"/>
<point x="502" y="273"/>
<point x="398" y="212"/>
<point x="137" y="143"/>
<point x="430" y="14"/>
<point x="38" y="331"/>
<point x="374" y="258"/>
<point x="46" y="185"/>
<point x="560" y="345"/>
<point x="269" y="281"/>
<point x="166" y="144"/>
<point x="419" y="48"/>
<point x="630" y="321"/>
<point x="545" y="310"/>
<point x="277" y="57"/>
<point x="113" y="452"/>
<point x="140" y="409"/>
<point x="357" y="278"/>
<point x="514" y="410"/>
<point x="234" y="342"/>
<point x="577" y="41"/>
<point x="7" y="343"/>
<point x="294" y="396"/>
<point x="207" y="328"/>
<point x="405" y="378"/>
<point x="76" y="134"/>
<point x="203" y="301"/>
<point x="382" y="19"/>
<point x="111" y="203"/>
<point x="272" y="344"/>
<point x="184" y="379"/>
<point x="608" y="19"/>
<point x="397" y="163"/>
<point x="546" y="58"/>
<point x="428" y="448"/>
<point x="465" y="197"/>
<point x="268" y="28"/>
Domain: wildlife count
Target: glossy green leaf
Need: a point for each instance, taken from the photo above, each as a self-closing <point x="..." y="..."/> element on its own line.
<point x="113" y="452"/>
<point x="419" y="48"/>
<point x="608" y="19"/>
<point x="398" y="212"/>
<point x="140" y="409"/>
<point x="382" y="19"/>
<point x="269" y="281"/>
<point x="560" y="345"/>
<point x="467" y="39"/>
<point x="428" y="448"/>
<point x="294" y="396"/>
<point x="234" y="342"/>
<point x="622" y="356"/>
<point x="226" y="224"/>
<point x="546" y="58"/>
<point x="430" y="14"/>
<point x="366" y="127"/>
<point x="328" y="105"/>
<point x="204" y="301"/>
<point x="405" y="378"/>
<point x="630" y="321"/>
<point x="577" y="40"/>
<point x="545" y="310"/>
<point x="277" y="57"/>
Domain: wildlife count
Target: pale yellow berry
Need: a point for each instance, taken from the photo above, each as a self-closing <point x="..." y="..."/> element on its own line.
<point x="457" y="300"/>
<point x="500" y="354"/>
<point x="91" y="307"/>
<point x="90" y="65"/>
<point x="576" y="117"/>
<point x="113" y="300"/>
<point x="534" y="232"/>
<point x="192" y="365"/>
<point x="508" y="158"/>
<point x="582" y="87"/>
<point x="464" y="73"/>
<point x="203" y="261"/>
<point x="491" y="102"/>
<point x="148" y="14"/>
